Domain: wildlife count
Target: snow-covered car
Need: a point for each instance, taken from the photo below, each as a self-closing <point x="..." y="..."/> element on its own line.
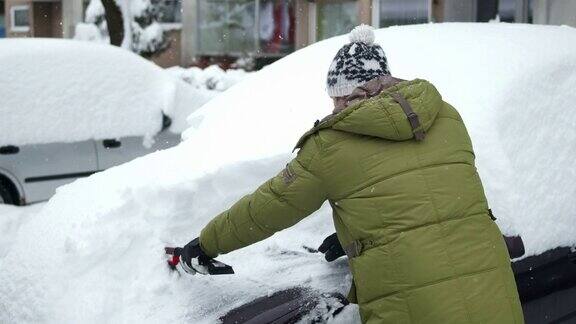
<point x="70" y="109"/>
<point x="31" y="173"/>
<point x="100" y="240"/>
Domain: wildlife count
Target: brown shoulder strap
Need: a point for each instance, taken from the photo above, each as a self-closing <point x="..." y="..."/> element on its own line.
<point x="411" y="115"/>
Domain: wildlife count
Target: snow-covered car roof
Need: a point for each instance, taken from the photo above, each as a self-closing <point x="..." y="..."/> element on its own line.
<point x="94" y="253"/>
<point x="56" y="90"/>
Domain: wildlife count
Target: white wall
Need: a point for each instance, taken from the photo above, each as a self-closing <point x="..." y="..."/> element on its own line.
<point x="72" y="14"/>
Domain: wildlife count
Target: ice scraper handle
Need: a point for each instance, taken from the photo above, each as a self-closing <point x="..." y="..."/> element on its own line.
<point x="175" y="259"/>
<point x="216" y="267"/>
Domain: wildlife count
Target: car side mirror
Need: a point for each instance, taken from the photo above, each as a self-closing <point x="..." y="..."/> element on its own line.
<point x="166" y="122"/>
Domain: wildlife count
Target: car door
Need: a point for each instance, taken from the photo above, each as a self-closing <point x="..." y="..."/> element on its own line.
<point x="112" y="152"/>
<point x="41" y="168"/>
<point x="115" y="151"/>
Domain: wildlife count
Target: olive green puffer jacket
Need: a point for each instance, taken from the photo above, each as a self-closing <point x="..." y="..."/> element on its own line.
<point x="413" y="213"/>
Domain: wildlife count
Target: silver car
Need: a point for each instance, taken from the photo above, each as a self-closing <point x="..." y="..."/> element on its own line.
<point x="31" y="173"/>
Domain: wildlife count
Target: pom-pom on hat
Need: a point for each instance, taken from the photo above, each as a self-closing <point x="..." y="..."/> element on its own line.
<point x="356" y="63"/>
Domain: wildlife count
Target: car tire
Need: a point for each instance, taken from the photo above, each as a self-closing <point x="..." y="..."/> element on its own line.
<point x="5" y="196"/>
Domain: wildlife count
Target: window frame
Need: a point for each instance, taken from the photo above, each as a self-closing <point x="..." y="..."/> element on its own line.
<point x="13" y="26"/>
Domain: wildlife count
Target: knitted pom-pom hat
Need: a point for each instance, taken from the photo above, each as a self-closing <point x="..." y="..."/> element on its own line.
<point x="356" y="63"/>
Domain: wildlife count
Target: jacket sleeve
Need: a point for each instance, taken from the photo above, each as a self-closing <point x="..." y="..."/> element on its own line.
<point x="280" y="202"/>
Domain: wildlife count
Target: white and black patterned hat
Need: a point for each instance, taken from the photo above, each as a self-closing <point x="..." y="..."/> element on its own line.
<point x="356" y="63"/>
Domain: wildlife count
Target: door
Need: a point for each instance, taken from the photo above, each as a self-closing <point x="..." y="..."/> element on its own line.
<point x="41" y="168"/>
<point x="47" y="19"/>
<point x="112" y="152"/>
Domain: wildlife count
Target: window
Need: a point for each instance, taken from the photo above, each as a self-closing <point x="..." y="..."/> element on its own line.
<point x="276" y="27"/>
<point x="20" y="18"/>
<point x="169" y="11"/>
<point x="2" y="21"/>
<point x="241" y="22"/>
<point x="507" y="10"/>
<point x="226" y="27"/>
<point x="336" y="18"/>
<point x="403" y="12"/>
<point x="240" y="27"/>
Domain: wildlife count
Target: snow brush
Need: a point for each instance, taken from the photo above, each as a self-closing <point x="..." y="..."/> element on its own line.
<point x="201" y="266"/>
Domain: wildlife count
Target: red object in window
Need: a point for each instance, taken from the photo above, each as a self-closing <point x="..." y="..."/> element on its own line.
<point x="283" y="34"/>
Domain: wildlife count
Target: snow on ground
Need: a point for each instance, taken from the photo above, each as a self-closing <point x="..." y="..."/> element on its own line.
<point x="212" y="78"/>
<point x="11" y="219"/>
<point x="97" y="244"/>
<point x="205" y="83"/>
<point x="65" y="91"/>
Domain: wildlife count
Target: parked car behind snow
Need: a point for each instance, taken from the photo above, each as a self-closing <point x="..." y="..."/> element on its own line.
<point x="31" y="173"/>
<point x="92" y="107"/>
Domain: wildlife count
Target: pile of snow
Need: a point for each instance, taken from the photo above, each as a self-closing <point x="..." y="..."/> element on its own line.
<point x="212" y="78"/>
<point x="95" y="28"/>
<point x="11" y="219"/>
<point x="94" y="252"/>
<point x="65" y="91"/>
<point x="90" y="33"/>
<point x="205" y="83"/>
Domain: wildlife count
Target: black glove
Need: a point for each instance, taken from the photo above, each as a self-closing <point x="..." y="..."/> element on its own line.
<point x="515" y="246"/>
<point x="331" y="248"/>
<point x="192" y="250"/>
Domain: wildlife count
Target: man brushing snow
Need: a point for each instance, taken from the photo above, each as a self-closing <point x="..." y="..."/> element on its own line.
<point x="397" y="166"/>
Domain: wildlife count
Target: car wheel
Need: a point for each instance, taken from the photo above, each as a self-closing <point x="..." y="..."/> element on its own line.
<point x="5" y="196"/>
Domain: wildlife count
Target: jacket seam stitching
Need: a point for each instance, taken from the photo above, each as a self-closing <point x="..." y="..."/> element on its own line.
<point x="355" y="190"/>
<point x="432" y="284"/>
<point x="318" y="158"/>
<point x="253" y="220"/>
<point x="264" y="205"/>
<point x="393" y="122"/>
<point x="281" y="198"/>
<point x="508" y="297"/>
<point x="231" y="232"/>
<point x="465" y="307"/>
<point x="375" y="245"/>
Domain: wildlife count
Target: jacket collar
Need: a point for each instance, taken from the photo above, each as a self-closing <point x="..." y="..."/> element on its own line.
<point x="367" y="90"/>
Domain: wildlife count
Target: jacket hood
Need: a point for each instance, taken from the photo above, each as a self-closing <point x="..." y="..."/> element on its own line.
<point x="382" y="116"/>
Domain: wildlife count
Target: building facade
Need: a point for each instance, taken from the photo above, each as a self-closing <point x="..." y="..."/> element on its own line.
<point x="268" y="29"/>
<point x="205" y="31"/>
<point x="40" y="18"/>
